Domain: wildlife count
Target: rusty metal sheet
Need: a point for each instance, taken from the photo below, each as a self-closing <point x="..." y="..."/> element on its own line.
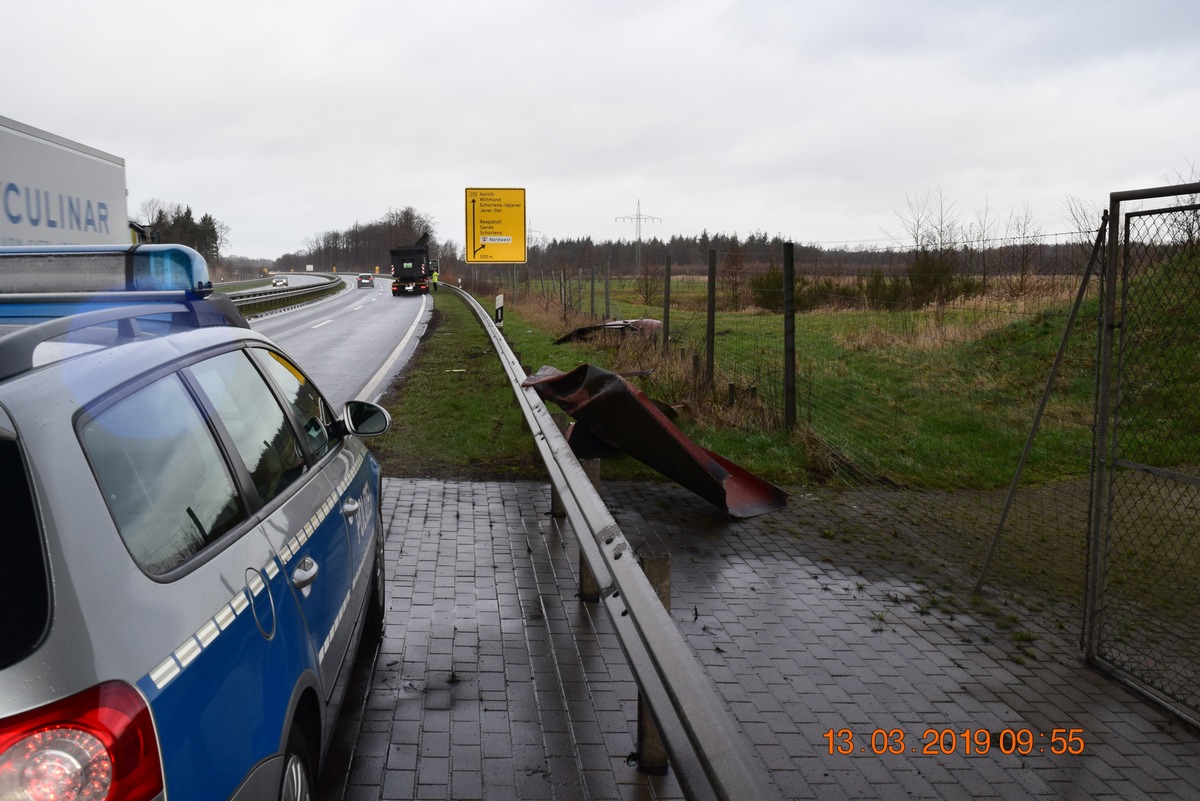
<point x="643" y="325"/>
<point x="615" y="412"/>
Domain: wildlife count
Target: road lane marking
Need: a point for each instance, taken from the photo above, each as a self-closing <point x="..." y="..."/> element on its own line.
<point x="372" y="385"/>
<point x="327" y="322"/>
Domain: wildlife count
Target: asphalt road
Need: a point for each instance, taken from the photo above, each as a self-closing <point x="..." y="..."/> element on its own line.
<point x="353" y="343"/>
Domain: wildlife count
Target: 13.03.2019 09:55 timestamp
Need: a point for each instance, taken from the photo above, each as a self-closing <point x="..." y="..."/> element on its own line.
<point x="948" y="741"/>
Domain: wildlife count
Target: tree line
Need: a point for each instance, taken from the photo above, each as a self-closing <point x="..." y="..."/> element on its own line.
<point x="363" y="247"/>
<point x="175" y="223"/>
<point x="938" y="254"/>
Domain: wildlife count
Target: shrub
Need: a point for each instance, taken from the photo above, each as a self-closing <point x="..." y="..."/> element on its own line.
<point x="767" y="289"/>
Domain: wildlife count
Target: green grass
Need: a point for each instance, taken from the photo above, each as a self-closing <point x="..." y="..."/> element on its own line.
<point x="453" y="412"/>
<point x="917" y="415"/>
<point x="776" y="456"/>
<point x="938" y="399"/>
<point x="454" y="416"/>
<point x="935" y="398"/>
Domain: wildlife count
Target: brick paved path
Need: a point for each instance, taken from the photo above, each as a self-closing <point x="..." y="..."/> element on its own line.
<point x="494" y="682"/>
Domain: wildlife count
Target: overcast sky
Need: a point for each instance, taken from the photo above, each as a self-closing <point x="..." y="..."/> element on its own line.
<point x="816" y="121"/>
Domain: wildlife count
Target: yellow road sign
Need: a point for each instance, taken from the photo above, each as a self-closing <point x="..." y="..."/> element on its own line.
<point x="496" y="226"/>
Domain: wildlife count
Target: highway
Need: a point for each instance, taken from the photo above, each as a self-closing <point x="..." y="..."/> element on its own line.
<point x="351" y="344"/>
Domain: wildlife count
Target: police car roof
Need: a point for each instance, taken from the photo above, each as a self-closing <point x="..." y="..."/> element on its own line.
<point x="55" y="291"/>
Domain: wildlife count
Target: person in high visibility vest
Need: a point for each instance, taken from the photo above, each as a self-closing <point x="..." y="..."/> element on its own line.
<point x="434" y="278"/>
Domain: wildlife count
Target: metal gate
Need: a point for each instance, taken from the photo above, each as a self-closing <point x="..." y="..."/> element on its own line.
<point x="1142" y="615"/>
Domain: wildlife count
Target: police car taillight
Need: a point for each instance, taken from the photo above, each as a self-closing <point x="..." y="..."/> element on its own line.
<point x="98" y="744"/>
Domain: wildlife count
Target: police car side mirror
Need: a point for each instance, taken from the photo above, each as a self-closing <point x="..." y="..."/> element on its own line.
<point x="362" y="419"/>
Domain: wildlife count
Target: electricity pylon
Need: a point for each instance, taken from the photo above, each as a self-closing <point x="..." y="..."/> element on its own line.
<point x="637" y="218"/>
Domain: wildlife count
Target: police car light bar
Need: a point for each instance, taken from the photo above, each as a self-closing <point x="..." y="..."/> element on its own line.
<point x="103" y="268"/>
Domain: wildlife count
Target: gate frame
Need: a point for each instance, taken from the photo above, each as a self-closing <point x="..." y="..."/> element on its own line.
<point x="1102" y="458"/>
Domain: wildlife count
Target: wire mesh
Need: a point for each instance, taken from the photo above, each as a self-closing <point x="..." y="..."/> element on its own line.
<point x="1148" y="607"/>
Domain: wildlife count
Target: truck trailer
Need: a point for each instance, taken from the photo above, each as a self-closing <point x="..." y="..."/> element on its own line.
<point x="410" y="268"/>
<point x="57" y="192"/>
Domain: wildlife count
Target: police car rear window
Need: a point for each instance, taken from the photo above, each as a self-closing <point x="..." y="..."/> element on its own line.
<point x="166" y="483"/>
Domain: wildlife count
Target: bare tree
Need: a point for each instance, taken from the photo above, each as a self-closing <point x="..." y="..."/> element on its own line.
<point x="1187" y="225"/>
<point x="1086" y="217"/>
<point x="915" y="221"/>
<point x="150" y="209"/>
<point x="732" y="276"/>
<point x="945" y="223"/>
<point x="649" y="282"/>
<point x="1026" y="237"/>
<point x="931" y="224"/>
<point x="979" y="236"/>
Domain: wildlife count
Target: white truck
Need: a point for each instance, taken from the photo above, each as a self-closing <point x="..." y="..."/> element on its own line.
<point x="57" y="192"/>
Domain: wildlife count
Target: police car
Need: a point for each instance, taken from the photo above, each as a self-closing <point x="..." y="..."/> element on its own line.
<point x="192" y="538"/>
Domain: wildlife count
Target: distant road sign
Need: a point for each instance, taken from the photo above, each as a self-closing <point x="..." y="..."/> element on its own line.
<point x="496" y="226"/>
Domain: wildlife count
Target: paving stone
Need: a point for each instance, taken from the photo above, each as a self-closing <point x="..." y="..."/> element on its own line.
<point x="801" y="635"/>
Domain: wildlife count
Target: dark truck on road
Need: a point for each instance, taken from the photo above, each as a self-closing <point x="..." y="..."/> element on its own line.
<point x="410" y="269"/>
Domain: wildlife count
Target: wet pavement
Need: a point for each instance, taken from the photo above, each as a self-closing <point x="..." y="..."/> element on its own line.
<point x="494" y="681"/>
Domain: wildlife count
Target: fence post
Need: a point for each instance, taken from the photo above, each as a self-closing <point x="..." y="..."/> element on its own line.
<point x="789" y="336"/>
<point x="666" y="315"/>
<point x="607" y="265"/>
<point x="710" y="338"/>
<point x="1094" y="577"/>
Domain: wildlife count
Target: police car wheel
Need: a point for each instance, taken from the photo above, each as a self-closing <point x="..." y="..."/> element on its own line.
<point x="297" y="770"/>
<point x="378" y="600"/>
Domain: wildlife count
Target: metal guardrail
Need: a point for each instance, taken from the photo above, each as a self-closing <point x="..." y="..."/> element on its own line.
<point x="229" y="287"/>
<point x="251" y="301"/>
<point x="711" y="756"/>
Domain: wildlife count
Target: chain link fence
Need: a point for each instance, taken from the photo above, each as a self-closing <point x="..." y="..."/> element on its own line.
<point x="1144" y="588"/>
<point x="917" y="380"/>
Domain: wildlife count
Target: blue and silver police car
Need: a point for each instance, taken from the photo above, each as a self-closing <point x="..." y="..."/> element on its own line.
<point x="192" y="538"/>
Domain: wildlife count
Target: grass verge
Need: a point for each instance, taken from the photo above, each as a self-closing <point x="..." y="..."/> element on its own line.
<point x="453" y="412"/>
<point x="454" y="416"/>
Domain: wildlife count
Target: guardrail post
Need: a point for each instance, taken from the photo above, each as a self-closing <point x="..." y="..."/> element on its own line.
<point x="651" y="750"/>
<point x="517" y="400"/>
<point x="589" y="588"/>
<point x="556" y="505"/>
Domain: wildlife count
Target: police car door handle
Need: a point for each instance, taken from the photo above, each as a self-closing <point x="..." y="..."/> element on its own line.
<point x="350" y="507"/>
<point x="305" y="573"/>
